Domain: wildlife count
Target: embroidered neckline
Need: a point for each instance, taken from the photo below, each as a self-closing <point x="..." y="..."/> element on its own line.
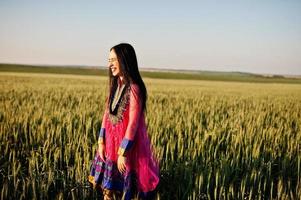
<point x="116" y="99"/>
<point x="116" y="115"/>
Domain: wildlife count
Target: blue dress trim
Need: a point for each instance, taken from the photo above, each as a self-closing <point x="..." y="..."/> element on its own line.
<point x="124" y="147"/>
<point x="107" y="175"/>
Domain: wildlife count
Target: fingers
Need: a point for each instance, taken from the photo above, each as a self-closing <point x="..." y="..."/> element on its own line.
<point x="102" y="156"/>
<point x="101" y="153"/>
<point x="121" y="165"/>
<point x="121" y="168"/>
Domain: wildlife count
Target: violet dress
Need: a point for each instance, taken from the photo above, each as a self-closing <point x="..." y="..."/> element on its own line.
<point x="124" y="132"/>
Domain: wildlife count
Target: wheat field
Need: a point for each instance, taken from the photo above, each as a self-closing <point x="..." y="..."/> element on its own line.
<point x="214" y="139"/>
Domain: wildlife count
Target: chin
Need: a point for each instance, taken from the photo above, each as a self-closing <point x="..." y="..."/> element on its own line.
<point x="115" y="74"/>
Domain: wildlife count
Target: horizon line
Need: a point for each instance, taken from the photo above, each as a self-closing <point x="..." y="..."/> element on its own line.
<point x="147" y="68"/>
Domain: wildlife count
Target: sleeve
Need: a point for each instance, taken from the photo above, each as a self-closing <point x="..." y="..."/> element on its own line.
<point x="102" y="132"/>
<point x="134" y="116"/>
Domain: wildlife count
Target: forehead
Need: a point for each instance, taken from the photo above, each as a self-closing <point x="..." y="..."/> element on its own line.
<point x="112" y="54"/>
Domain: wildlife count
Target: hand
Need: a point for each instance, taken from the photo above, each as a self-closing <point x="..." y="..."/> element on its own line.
<point x="101" y="151"/>
<point x="121" y="164"/>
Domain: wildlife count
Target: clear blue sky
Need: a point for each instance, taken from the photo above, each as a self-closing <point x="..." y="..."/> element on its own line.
<point x="249" y="36"/>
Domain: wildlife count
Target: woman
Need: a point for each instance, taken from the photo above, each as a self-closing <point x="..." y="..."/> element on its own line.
<point x="124" y="165"/>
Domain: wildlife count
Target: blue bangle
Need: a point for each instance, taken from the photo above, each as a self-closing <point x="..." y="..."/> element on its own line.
<point x="125" y="146"/>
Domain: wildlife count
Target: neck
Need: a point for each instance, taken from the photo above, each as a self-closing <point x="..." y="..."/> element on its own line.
<point x="120" y="80"/>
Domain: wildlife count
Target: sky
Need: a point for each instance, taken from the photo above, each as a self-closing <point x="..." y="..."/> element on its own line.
<point x="243" y="35"/>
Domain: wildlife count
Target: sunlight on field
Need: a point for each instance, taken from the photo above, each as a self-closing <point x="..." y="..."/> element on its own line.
<point x="214" y="139"/>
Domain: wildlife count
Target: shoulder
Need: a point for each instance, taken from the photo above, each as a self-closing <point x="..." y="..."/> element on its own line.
<point x="134" y="88"/>
<point x="134" y="91"/>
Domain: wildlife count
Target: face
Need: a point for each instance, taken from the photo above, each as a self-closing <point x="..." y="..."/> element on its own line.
<point x="114" y="64"/>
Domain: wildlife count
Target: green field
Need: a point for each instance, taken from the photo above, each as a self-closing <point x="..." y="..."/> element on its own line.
<point x="173" y="74"/>
<point x="215" y="139"/>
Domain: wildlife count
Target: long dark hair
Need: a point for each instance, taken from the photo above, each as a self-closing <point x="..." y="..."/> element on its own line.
<point x="129" y="69"/>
